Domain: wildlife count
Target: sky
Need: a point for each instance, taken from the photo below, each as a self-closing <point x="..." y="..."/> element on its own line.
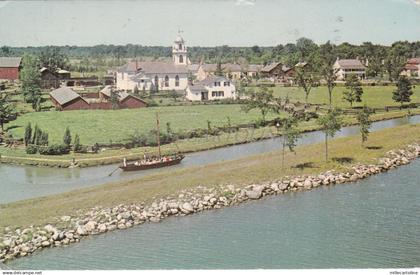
<point x="207" y="22"/>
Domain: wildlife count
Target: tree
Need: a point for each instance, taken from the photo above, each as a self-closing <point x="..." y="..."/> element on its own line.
<point x="174" y="95"/>
<point x="305" y="80"/>
<point x="67" y="137"/>
<point x="403" y="92"/>
<point x="262" y="100"/>
<point x="363" y="118"/>
<point x="114" y="99"/>
<point x="30" y="78"/>
<point x="354" y="90"/>
<point x="28" y="134"/>
<point x="37" y="135"/>
<point x="53" y="59"/>
<point x="290" y="136"/>
<point x="7" y="110"/>
<point x="77" y="145"/>
<point x="219" y="69"/>
<point x="331" y="123"/>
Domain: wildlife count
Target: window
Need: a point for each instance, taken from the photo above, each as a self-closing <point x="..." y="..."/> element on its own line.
<point x="217" y="94"/>
<point x="221" y="94"/>
<point x="166" y="81"/>
<point x="213" y="94"/>
<point x="181" y="59"/>
<point x="226" y="83"/>
<point x="217" y="84"/>
<point x="180" y="46"/>
<point x="176" y="81"/>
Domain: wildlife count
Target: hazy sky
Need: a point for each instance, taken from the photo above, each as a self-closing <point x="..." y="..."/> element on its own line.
<point x="207" y="23"/>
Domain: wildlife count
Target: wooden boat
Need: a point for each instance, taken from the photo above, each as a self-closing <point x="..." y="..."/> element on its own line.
<point x="144" y="164"/>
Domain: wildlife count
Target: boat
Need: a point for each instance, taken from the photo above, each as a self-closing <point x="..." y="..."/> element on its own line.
<point x="151" y="164"/>
<point x="154" y="162"/>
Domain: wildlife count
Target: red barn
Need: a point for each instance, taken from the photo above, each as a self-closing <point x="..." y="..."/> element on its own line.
<point x="65" y="98"/>
<point x="10" y="67"/>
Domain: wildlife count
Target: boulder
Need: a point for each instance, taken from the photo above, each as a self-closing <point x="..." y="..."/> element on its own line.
<point x="187" y="208"/>
<point x="283" y="186"/>
<point x="89" y="226"/>
<point x="50" y="229"/>
<point x="253" y="194"/>
<point x="45" y="243"/>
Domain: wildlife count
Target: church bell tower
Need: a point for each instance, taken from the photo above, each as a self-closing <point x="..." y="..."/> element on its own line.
<point x="179" y="51"/>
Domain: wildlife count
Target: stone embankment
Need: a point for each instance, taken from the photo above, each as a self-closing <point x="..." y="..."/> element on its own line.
<point x="23" y="242"/>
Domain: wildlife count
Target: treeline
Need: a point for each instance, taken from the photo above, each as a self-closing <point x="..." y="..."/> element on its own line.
<point x="289" y="54"/>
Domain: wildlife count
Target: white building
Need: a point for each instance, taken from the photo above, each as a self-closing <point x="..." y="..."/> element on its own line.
<point x="346" y="67"/>
<point x="211" y="88"/>
<point x="162" y="76"/>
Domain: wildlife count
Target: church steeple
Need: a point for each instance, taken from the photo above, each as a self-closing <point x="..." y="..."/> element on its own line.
<point x="179" y="51"/>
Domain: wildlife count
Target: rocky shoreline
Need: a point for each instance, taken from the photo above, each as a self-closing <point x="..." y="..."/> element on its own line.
<point x="23" y="242"/>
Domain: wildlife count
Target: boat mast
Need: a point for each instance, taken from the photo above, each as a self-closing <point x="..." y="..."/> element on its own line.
<point x="158" y="134"/>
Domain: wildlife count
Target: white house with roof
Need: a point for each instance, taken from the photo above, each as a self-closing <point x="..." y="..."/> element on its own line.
<point x="346" y="67"/>
<point x="211" y="88"/>
<point x="162" y="76"/>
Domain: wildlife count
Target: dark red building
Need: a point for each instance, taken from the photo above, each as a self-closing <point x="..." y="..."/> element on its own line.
<point x="10" y="67"/>
<point x="65" y="99"/>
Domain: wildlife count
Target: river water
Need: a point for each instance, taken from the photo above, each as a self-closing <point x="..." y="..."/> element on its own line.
<point x="24" y="182"/>
<point x="373" y="223"/>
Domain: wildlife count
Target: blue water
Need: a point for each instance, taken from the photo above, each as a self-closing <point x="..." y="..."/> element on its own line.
<point x="373" y="223"/>
<point x="23" y="182"/>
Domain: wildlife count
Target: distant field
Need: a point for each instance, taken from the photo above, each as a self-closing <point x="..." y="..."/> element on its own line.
<point x="104" y="126"/>
<point x="373" y="96"/>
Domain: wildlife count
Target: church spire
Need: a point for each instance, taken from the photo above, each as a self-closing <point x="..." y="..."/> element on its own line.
<point x="179" y="50"/>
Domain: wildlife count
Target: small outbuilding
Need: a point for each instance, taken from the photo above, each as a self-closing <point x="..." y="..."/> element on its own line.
<point x="10" y="68"/>
<point x="65" y="98"/>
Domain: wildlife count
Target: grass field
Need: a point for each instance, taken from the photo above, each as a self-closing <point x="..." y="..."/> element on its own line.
<point x="240" y="172"/>
<point x="373" y="96"/>
<point x="106" y="126"/>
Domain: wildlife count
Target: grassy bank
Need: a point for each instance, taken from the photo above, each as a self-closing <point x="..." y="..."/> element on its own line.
<point x="19" y="156"/>
<point x="254" y="169"/>
<point x="373" y="96"/>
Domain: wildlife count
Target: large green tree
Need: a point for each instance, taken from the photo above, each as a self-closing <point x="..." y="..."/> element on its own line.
<point x="306" y="80"/>
<point x="403" y="92"/>
<point x="52" y="58"/>
<point x="30" y="78"/>
<point x="354" y="90"/>
<point x="330" y="123"/>
<point x="7" y="110"/>
<point x="363" y="119"/>
<point x="262" y="100"/>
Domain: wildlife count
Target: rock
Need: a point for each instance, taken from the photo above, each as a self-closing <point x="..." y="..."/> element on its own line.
<point x="173" y="205"/>
<point x="187" y="208"/>
<point x="155" y="219"/>
<point x="89" y="226"/>
<point x="102" y="228"/>
<point x="45" y="243"/>
<point x="307" y="184"/>
<point x="50" y="229"/>
<point x="9" y="243"/>
<point x="81" y="231"/>
<point x="253" y="194"/>
<point x="283" y="186"/>
<point x="25" y="248"/>
<point x="275" y="187"/>
<point x="354" y="177"/>
<point x="65" y="218"/>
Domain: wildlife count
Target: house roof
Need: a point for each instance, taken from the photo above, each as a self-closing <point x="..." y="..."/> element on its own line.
<point x="268" y="68"/>
<point x="211" y="79"/>
<point x="121" y="95"/>
<point x="193" y="67"/>
<point x="154" y="67"/>
<point x="411" y="67"/>
<point x="64" y="95"/>
<point x="350" y="64"/>
<point x="415" y="61"/>
<point x="254" y="68"/>
<point x="196" y="88"/>
<point x="10" y="62"/>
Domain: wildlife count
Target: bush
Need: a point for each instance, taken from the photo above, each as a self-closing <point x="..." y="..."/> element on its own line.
<point x="55" y="149"/>
<point x="31" y="149"/>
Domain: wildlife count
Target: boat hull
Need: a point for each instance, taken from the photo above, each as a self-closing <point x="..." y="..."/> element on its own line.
<point x="131" y="166"/>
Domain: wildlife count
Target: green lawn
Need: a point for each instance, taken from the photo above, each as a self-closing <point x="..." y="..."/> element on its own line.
<point x="373" y="96"/>
<point x="104" y="126"/>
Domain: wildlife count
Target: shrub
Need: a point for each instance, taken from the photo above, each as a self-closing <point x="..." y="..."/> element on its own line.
<point x="31" y="149"/>
<point x="55" y="149"/>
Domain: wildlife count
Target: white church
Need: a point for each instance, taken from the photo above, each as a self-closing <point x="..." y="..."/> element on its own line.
<point x="157" y="75"/>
